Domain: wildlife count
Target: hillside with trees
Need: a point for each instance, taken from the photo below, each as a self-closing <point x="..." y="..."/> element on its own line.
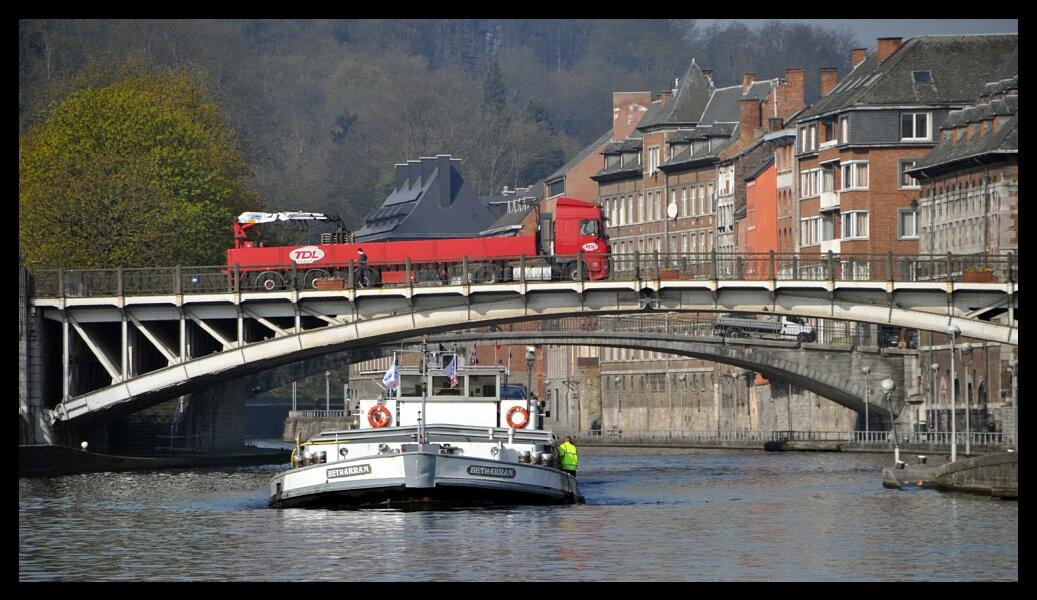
<point x="322" y="109"/>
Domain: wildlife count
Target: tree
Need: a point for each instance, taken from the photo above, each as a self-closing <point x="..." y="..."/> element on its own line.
<point x="142" y="172"/>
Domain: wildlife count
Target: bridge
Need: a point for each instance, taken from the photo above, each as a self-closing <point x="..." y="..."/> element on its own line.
<point x="143" y="336"/>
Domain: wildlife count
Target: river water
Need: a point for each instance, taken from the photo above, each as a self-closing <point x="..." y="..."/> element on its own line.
<point x="651" y="514"/>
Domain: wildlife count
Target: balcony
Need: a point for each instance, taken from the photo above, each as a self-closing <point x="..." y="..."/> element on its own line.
<point x="830" y="245"/>
<point x="829" y="201"/>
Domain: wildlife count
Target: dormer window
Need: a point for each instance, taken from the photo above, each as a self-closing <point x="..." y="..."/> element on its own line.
<point x="923" y="77"/>
<point x="915" y="126"/>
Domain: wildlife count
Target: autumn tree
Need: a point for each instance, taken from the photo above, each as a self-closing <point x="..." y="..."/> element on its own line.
<point x="141" y="172"/>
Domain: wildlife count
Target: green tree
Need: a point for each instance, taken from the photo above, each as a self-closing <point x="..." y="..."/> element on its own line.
<point x="142" y="172"/>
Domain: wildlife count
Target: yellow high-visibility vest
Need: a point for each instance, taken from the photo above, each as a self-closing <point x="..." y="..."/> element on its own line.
<point x="568" y="456"/>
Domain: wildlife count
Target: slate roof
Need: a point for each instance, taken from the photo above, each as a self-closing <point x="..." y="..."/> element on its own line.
<point x="960" y="64"/>
<point x="430" y="200"/>
<point x="686" y="157"/>
<point x="580" y="156"/>
<point x="760" y="169"/>
<point x="509" y="222"/>
<point x="947" y="155"/>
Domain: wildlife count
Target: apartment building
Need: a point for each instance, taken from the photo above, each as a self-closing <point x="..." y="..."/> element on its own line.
<point x="857" y="143"/>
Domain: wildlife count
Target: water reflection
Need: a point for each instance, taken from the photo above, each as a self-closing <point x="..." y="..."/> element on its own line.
<point x="666" y="515"/>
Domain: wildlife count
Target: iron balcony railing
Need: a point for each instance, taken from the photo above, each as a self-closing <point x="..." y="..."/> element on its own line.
<point x="579" y="267"/>
<point x="320" y="414"/>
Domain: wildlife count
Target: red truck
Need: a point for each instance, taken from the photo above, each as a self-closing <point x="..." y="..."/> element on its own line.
<point x="576" y="229"/>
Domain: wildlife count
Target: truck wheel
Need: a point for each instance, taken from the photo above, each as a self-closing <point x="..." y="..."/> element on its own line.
<point x="269" y="281"/>
<point x="572" y="271"/>
<point x="309" y="282"/>
<point x="487" y="275"/>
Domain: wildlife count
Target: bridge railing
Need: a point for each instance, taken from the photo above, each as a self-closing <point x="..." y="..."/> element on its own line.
<point x="873" y="439"/>
<point x="932" y="438"/>
<point x="629" y="267"/>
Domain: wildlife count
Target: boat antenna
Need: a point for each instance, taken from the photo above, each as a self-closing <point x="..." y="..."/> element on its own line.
<point x="422" y="440"/>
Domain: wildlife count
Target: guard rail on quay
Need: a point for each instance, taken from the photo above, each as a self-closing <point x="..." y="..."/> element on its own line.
<point x="870" y="440"/>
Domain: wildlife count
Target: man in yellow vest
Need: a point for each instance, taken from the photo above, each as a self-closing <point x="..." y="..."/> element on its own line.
<point x="567" y="456"/>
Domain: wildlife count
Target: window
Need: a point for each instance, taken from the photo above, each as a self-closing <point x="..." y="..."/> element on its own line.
<point x="684" y="201"/>
<point x="906" y="181"/>
<point x="855" y="225"/>
<point x="908" y="223"/>
<point x="653" y="160"/>
<point x="844" y="130"/>
<point x="709" y="198"/>
<point x="811" y="231"/>
<point x="922" y="76"/>
<point x="828" y="179"/>
<point x="809" y="183"/>
<point x="855" y="175"/>
<point x="914" y="126"/>
<point x="589" y="228"/>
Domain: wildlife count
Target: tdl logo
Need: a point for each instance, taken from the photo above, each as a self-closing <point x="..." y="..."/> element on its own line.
<point x="590" y="247"/>
<point x="306" y="255"/>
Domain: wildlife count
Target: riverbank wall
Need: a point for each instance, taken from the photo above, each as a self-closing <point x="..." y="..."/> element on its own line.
<point x="46" y="460"/>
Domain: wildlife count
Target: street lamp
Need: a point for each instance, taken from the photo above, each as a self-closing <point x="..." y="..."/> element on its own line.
<point x="867" y="399"/>
<point x="530" y="359"/>
<point x="966" y="359"/>
<point x="888" y="385"/>
<point x="327" y="390"/>
<point x="933" y="368"/>
<point x="1013" y="366"/>
<point x="953" y="330"/>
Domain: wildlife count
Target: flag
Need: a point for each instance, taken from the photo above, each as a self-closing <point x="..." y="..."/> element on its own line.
<point x="391" y="379"/>
<point x="451" y="371"/>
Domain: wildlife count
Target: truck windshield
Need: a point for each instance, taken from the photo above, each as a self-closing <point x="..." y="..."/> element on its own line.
<point x="589" y="228"/>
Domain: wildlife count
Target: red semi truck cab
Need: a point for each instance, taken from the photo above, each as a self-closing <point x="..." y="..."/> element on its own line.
<point x="575" y="227"/>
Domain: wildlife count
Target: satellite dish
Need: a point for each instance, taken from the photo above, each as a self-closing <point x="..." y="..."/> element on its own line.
<point x="671" y="210"/>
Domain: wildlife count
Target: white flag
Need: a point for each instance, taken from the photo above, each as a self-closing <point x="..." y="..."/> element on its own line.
<point x="391" y="379"/>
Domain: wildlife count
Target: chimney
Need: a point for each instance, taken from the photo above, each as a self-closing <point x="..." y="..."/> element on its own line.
<point x="414" y="172"/>
<point x="750" y="116"/>
<point x="857" y="56"/>
<point x="747" y="80"/>
<point x="428" y="167"/>
<point x="627" y="110"/>
<point x="709" y="75"/>
<point x="887" y="46"/>
<point x="829" y="77"/>
<point x="444" y="180"/>
<point x="774" y="124"/>
<point x="792" y="95"/>
<point x="401" y="175"/>
<point x="664" y="96"/>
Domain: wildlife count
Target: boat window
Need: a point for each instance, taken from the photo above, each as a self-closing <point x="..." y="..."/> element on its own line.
<point x="441" y="386"/>
<point x="410" y="386"/>
<point x="482" y="386"/>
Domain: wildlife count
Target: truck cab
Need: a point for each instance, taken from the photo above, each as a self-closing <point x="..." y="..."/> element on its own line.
<point x="579" y="226"/>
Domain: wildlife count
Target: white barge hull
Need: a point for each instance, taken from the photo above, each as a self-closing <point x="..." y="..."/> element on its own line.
<point x="421" y="477"/>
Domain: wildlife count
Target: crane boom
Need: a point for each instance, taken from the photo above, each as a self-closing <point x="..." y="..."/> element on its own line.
<point x="248" y="220"/>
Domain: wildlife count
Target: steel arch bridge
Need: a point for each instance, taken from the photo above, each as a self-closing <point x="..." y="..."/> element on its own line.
<point x="295" y="325"/>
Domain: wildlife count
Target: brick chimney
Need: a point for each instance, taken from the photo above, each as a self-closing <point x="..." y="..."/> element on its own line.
<point x="747" y="80"/>
<point x="750" y="115"/>
<point x="791" y="95"/>
<point x="709" y="74"/>
<point x="829" y="77"/>
<point x="774" y="124"/>
<point x="857" y="56"/>
<point x="887" y="46"/>
<point x="627" y="110"/>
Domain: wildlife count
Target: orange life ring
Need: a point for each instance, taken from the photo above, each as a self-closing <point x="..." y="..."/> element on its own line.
<point x="525" y="417"/>
<point x="379" y="422"/>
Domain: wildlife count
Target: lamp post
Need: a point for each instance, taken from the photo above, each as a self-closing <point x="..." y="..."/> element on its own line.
<point x="966" y="359"/>
<point x="953" y="330"/>
<point x="933" y="368"/>
<point x="683" y="378"/>
<point x="1013" y="366"/>
<point x="867" y="399"/>
<point x="327" y="390"/>
<point x="888" y="385"/>
<point x="530" y="360"/>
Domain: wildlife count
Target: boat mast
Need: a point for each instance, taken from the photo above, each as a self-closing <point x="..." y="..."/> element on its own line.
<point x="423" y="370"/>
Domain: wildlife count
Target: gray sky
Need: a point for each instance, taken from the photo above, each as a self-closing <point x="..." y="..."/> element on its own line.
<point x="867" y="30"/>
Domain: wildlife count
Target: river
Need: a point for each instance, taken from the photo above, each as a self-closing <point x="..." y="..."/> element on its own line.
<point x="651" y="515"/>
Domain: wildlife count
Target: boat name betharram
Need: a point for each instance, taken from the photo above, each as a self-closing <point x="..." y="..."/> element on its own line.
<point x="492" y="471"/>
<point x="350" y="471"/>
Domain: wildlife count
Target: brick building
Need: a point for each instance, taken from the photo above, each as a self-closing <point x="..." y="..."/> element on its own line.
<point x="855" y="145"/>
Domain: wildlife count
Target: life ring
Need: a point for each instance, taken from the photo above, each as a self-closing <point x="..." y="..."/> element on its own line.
<point x="525" y="417"/>
<point x="379" y="422"/>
